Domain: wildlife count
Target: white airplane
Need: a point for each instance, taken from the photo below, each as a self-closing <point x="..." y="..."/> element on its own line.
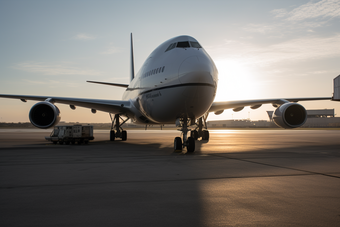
<point x="176" y="85"/>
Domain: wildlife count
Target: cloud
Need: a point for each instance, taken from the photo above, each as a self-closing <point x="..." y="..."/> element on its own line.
<point x="52" y="83"/>
<point x="321" y="9"/>
<point x="54" y="69"/>
<point x="112" y="49"/>
<point x="83" y="36"/>
<point x="293" y="50"/>
<point x="258" y="28"/>
<point x="301" y="49"/>
<point x="303" y="18"/>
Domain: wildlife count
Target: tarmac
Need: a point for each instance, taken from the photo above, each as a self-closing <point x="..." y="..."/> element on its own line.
<point x="238" y="178"/>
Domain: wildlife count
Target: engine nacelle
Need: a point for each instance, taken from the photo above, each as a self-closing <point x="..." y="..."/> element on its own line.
<point x="44" y="115"/>
<point x="290" y="115"/>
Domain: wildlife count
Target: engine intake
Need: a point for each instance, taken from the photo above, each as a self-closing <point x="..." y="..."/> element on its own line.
<point x="290" y="115"/>
<point x="44" y="115"/>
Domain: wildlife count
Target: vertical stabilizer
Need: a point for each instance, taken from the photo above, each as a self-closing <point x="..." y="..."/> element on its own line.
<point x="336" y="91"/>
<point x="132" y="75"/>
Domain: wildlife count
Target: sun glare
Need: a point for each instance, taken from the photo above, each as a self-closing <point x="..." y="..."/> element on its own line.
<point x="236" y="81"/>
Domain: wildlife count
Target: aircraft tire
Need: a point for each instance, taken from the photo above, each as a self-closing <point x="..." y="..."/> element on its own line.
<point x="178" y="144"/>
<point x="194" y="134"/>
<point x="112" y="136"/>
<point x="205" y="135"/>
<point x="191" y="145"/>
<point x="124" y="135"/>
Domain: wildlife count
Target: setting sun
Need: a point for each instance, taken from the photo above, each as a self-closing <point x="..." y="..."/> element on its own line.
<point x="235" y="81"/>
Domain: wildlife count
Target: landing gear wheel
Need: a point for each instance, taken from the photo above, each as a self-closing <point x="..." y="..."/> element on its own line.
<point x="112" y="136"/>
<point x="124" y="135"/>
<point x="191" y="145"/>
<point x="178" y="144"/>
<point x="67" y="142"/>
<point x="73" y="142"/>
<point x="54" y="142"/>
<point x="61" y="142"/>
<point x="194" y="134"/>
<point x="205" y="135"/>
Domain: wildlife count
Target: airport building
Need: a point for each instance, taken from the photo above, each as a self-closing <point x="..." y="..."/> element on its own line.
<point x="324" y="118"/>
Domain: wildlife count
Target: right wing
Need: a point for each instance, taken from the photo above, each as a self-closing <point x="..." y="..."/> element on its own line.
<point x="219" y="107"/>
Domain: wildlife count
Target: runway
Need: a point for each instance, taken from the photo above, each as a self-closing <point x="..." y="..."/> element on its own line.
<point x="238" y="178"/>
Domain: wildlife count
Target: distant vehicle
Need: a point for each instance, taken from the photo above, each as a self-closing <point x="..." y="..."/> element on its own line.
<point x="71" y="134"/>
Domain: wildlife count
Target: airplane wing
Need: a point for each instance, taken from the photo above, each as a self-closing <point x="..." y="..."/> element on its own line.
<point x="111" y="106"/>
<point x="219" y="107"/>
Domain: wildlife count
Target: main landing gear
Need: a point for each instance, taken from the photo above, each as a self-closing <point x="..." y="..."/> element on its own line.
<point x="116" y="128"/>
<point x="189" y="143"/>
<point x="201" y="130"/>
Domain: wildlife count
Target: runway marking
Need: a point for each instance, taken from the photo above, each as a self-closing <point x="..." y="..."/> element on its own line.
<point x="155" y="181"/>
<point x="283" y="167"/>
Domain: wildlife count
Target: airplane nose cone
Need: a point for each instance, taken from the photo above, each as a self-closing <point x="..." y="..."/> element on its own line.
<point x="195" y="70"/>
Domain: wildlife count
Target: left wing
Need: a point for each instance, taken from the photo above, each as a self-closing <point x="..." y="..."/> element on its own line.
<point x="111" y="106"/>
<point x="219" y="107"/>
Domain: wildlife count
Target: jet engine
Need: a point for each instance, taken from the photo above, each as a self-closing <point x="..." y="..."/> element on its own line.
<point x="44" y="115"/>
<point x="290" y="115"/>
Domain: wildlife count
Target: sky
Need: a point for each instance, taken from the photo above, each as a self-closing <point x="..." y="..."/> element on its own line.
<point x="262" y="49"/>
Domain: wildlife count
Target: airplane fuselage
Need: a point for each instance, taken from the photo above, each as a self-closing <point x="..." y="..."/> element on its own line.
<point x="178" y="79"/>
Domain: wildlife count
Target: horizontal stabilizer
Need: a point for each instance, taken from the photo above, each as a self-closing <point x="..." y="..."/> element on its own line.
<point x="112" y="84"/>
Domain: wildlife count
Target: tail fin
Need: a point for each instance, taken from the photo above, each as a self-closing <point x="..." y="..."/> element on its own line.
<point x="336" y="91"/>
<point x="132" y="75"/>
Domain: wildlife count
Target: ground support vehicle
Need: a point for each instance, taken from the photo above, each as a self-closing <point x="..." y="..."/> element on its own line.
<point x="71" y="134"/>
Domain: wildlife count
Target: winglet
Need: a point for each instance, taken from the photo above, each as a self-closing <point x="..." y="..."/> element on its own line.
<point x="132" y="75"/>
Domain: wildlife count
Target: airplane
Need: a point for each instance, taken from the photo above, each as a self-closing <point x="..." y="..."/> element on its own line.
<point x="176" y="85"/>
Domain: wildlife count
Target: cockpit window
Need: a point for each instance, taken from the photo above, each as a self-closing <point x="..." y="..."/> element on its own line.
<point x="171" y="46"/>
<point x="183" y="44"/>
<point x="195" y="45"/>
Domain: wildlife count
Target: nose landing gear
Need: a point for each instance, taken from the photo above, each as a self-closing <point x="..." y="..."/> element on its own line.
<point x="189" y="143"/>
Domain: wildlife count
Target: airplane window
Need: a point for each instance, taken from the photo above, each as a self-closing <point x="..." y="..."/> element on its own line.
<point x="195" y="45"/>
<point x="171" y="46"/>
<point x="183" y="44"/>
